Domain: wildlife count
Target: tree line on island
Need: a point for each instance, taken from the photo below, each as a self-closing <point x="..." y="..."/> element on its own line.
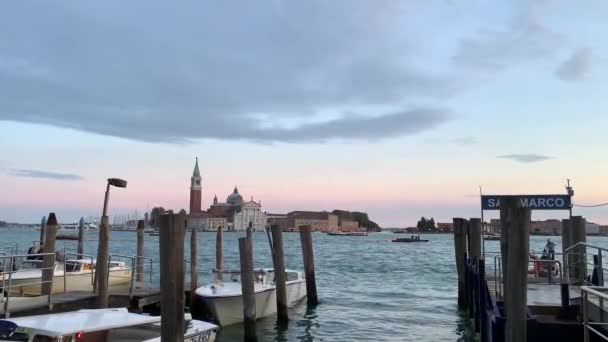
<point x="426" y="226"/>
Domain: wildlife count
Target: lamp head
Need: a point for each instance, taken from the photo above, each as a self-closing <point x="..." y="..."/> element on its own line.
<point x="117" y="182"/>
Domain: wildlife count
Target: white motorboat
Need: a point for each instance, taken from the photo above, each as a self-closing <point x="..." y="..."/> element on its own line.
<point x="222" y="301"/>
<point x="26" y="281"/>
<point x="116" y="325"/>
<point x="74" y="226"/>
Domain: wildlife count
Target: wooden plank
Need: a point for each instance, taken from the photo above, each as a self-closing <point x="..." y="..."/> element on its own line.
<point x="279" y="273"/>
<point x="101" y="266"/>
<point x="139" y="276"/>
<point x="309" y="264"/>
<point x="219" y="252"/>
<point x="172" y="233"/>
<point x="193" y="264"/>
<point x="247" y="287"/>
<point x="517" y="223"/>
<point x="49" y="260"/>
<point x="459" y="252"/>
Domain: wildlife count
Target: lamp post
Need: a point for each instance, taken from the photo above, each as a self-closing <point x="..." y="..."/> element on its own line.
<point x="101" y="267"/>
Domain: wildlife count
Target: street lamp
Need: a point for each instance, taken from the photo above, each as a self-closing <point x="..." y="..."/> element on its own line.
<point x="101" y="267"/>
<point x="117" y="182"/>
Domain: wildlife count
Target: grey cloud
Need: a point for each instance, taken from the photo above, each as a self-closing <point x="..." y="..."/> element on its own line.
<point x="179" y="73"/>
<point x="468" y="140"/>
<point x="524" y="38"/>
<point x="28" y="173"/>
<point x="526" y="158"/>
<point x="576" y="67"/>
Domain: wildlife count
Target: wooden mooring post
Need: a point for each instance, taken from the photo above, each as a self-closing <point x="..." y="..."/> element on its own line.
<point x="577" y="263"/>
<point x="309" y="265"/>
<point x="219" y="253"/>
<point x="80" y="250"/>
<point x="193" y="264"/>
<point x="474" y="248"/>
<point x="515" y="225"/>
<point x="42" y="230"/>
<point x="171" y="242"/>
<point x="140" y="251"/>
<point x="101" y="265"/>
<point x="279" y="273"/>
<point x="566" y="243"/>
<point x="49" y="260"/>
<point x="247" y="279"/>
<point x="460" y="244"/>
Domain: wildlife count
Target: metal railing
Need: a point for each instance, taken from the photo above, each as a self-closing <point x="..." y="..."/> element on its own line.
<point x="9" y="248"/>
<point x="10" y="269"/>
<point x="540" y="265"/>
<point x="133" y="270"/>
<point x="77" y="256"/>
<point x="576" y="262"/>
<point x="597" y="327"/>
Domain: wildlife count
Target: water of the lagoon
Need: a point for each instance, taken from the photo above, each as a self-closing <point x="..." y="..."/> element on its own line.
<point x="370" y="288"/>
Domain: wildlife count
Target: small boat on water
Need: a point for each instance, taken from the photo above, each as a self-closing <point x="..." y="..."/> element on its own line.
<point x="75" y="226"/>
<point x="492" y="237"/>
<point x="116" y="325"/>
<point x="222" y="301"/>
<point x="67" y="237"/>
<point x="154" y="234"/>
<point x="25" y="280"/>
<point x="411" y="239"/>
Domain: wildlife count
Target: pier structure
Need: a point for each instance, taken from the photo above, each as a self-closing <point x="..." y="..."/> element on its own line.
<point x="510" y="296"/>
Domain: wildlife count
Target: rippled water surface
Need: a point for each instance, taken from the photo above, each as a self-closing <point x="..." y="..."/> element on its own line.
<point x="370" y="289"/>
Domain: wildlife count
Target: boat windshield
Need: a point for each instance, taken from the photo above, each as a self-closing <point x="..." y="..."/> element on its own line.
<point x="71" y="266"/>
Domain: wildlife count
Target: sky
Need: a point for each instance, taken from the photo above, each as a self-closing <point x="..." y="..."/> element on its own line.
<point x="401" y="109"/>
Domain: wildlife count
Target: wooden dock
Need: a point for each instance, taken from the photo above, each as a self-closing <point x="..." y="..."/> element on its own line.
<point x="141" y="300"/>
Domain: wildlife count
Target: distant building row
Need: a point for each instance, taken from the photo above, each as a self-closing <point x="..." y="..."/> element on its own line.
<point x="319" y="221"/>
<point x="237" y="215"/>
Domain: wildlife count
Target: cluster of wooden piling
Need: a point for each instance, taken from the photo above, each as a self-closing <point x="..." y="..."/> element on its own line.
<point x="508" y="318"/>
<point x="172" y="269"/>
<point x="247" y="276"/>
<point x="473" y="292"/>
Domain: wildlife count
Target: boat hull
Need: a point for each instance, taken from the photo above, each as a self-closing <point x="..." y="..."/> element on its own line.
<point x="409" y="240"/>
<point x="229" y="309"/>
<point x="30" y="287"/>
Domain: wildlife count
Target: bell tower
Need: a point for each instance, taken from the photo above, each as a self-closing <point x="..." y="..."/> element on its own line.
<point x="195" y="190"/>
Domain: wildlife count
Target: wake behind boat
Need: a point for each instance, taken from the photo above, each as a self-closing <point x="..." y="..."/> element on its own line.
<point x="222" y="301"/>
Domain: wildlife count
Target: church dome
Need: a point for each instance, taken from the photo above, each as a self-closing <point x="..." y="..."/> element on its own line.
<point x="235" y="198"/>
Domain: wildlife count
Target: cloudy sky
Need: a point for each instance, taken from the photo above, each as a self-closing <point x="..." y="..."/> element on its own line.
<point x="397" y="108"/>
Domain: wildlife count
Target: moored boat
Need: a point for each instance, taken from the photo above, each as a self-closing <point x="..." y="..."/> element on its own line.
<point x="117" y="325"/>
<point x="492" y="237"/>
<point x="222" y="301"/>
<point x="73" y="275"/>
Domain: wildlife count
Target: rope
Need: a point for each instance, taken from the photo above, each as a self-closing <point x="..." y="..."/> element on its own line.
<point x="591" y="206"/>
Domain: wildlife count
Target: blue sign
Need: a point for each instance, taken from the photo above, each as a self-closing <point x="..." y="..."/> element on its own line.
<point x="538" y="202"/>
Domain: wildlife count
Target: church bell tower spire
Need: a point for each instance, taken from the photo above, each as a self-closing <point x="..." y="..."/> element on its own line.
<point x="195" y="189"/>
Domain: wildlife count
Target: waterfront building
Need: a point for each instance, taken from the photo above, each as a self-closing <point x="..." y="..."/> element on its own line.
<point x="232" y="215"/>
<point x="445" y="227"/>
<point x="349" y="226"/>
<point x="321" y="221"/>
